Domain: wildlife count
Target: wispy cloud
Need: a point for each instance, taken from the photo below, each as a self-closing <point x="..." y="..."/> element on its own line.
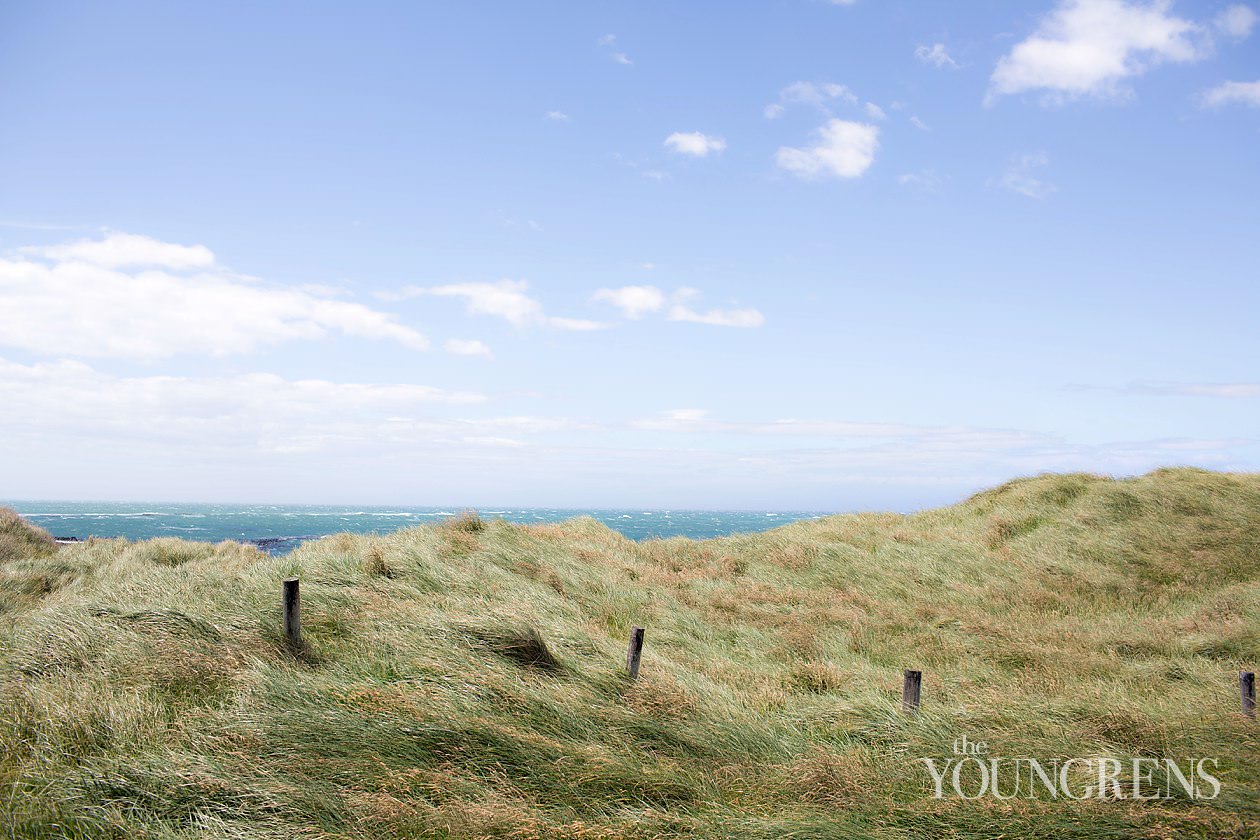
<point x="1229" y="93"/>
<point x="694" y="143"/>
<point x="135" y="297"/>
<point x="935" y="55"/>
<point x="1237" y="21"/>
<point x="609" y="42"/>
<point x="1222" y="390"/>
<point x="1091" y="47"/>
<point x="926" y="180"/>
<point x="467" y="347"/>
<point x="924" y="454"/>
<point x="636" y="301"/>
<point x="125" y="250"/>
<point x="1020" y="176"/>
<point x="258" y="409"/>
<point x="698" y="420"/>
<point x="816" y="94"/>
<point x="919" y="124"/>
<point x="506" y="299"/>
<point x="681" y="310"/>
<point x="633" y="301"/>
<point x="841" y="149"/>
<point x="558" y="116"/>
<point x="253" y="413"/>
<point x="576" y="324"/>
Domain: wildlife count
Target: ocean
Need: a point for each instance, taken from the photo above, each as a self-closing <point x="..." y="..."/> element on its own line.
<point x="279" y="529"/>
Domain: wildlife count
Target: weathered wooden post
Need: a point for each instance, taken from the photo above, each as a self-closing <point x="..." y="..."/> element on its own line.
<point x="911" y="687"/>
<point x="1247" y="688"/>
<point x="292" y="614"/>
<point x="635" y="653"/>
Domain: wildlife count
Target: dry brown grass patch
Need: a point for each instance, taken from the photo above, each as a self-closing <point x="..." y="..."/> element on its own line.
<point x="460" y="543"/>
<point x="816" y="677"/>
<point x="795" y="555"/>
<point x="659" y="696"/>
<point x="1127" y="728"/>
<point x="20" y="539"/>
<point x="828" y="778"/>
<point x="374" y="564"/>
<point x="798" y="639"/>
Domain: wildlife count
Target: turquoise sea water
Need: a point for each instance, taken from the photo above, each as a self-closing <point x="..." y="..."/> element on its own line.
<point x="281" y="528"/>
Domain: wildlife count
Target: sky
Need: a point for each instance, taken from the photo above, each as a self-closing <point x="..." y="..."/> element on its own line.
<point x="791" y="254"/>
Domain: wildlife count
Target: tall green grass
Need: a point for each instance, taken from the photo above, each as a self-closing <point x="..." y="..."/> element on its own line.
<point x="466" y="680"/>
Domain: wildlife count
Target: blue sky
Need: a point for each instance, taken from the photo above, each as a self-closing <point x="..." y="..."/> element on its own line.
<point x="791" y="254"/>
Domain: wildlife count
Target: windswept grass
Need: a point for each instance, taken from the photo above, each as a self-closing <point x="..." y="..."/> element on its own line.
<point x="465" y="680"/>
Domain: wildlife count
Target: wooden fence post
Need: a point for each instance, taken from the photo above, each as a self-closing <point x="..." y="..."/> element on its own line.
<point x="635" y="653"/>
<point x="292" y="613"/>
<point x="1247" y="688"/>
<point x="910" y="690"/>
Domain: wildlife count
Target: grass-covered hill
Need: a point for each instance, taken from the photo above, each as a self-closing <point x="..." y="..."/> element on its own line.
<point x="466" y="680"/>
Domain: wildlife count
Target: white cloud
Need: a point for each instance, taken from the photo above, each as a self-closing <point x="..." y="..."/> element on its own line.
<point x="679" y="418"/>
<point x="636" y="301"/>
<point x="576" y="324"/>
<point x="135" y="435"/>
<point x="467" y="347"/>
<point x="926" y="180"/>
<point x="257" y="409"/>
<point x="1019" y="176"/>
<point x="817" y="94"/>
<point x="329" y="290"/>
<point x="1089" y="47"/>
<point x="698" y="420"/>
<point x="874" y="111"/>
<point x="633" y="301"/>
<point x="718" y="317"/>
<point x="936" y="55"/>
<point x="1225" y="390"/>
<point x="843" y="150"/>
<point x="134" y="297"/>
<point x="228" y="420"/>
<point x="1237" y="21"/>
<point x="504" y="299"/>
<point x="609" y="41"/>
<point x="681" y="311"/>
<point x="919" y="124"/>
<point x="487" y="440"/>
<point x="892" y="453"/>
<point x="1243" y="93"/>
<point x="558" y="116"/>
<point x="694" y="143"/>
<point x="120" y="250"/>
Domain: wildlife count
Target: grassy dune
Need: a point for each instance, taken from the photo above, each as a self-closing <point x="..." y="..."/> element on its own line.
<point x="465" y="680"/>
